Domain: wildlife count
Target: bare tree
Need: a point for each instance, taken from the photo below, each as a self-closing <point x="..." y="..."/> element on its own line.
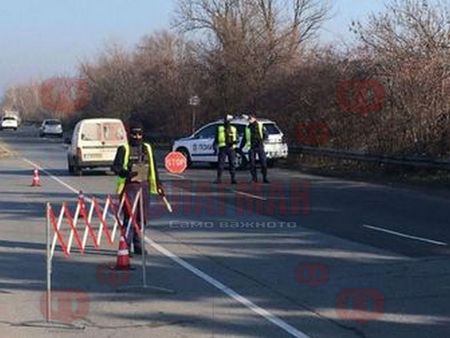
<point x="248" y="40"/>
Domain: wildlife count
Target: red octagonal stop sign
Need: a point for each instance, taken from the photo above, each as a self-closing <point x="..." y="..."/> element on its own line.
<point x="175" y="162"/>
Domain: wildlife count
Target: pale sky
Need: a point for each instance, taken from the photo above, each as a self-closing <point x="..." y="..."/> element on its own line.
<point x="42" y="38"/>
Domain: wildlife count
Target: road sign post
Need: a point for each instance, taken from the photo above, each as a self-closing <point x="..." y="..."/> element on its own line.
<point x="194" y="101"/>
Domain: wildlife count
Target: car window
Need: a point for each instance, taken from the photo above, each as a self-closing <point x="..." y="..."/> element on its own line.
<point x="8" y="118"/>
<point x="208" y="132"/>
<point x="52" y="122"/>
<point x="272" y="128"/>
<point x="91" y="132"/>
<point x="113" y="131"/>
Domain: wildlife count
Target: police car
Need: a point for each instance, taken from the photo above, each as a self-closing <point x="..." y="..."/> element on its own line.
<point x="198" y="148"/>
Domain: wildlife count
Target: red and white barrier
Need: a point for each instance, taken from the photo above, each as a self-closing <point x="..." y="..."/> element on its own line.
<point x="81" y="223"/>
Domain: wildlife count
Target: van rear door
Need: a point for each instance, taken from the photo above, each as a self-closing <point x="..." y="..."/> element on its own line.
<point x="91" y="142"/>
<point x="113" y="133"/>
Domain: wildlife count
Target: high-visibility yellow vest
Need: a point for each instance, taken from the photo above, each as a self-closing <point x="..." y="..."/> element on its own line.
<point x="221" y="136"/>
<point x="151" y="170"/>
<point x="248" y="134"/>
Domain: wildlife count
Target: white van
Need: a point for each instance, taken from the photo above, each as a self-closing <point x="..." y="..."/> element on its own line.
<point x="94" y="144"/>
<point x="198" y="148"/>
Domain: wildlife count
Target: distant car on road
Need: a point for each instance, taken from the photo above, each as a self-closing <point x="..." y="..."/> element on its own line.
<point x="9" y="122"/>
<point x="198" y="148"/>
<point x="94" y="144"/>
<point x="51" y="127"/>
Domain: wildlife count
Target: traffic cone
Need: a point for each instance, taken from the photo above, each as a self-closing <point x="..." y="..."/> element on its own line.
<point x="123" y="256"/>
<point x="82" y="204"/>
<point x="36" y="182"/>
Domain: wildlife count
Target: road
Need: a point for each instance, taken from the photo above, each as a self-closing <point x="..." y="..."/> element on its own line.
<point x="305" y="256"/>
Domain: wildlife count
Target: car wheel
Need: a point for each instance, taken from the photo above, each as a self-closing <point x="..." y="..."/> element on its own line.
<point x="185" y="153"/>
<point x="70" y="166"/>
<point x="77" y="170"/>
<point x="241" y="160"/>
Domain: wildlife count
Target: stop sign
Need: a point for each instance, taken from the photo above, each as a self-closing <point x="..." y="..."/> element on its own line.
<point x="175" y="162"/>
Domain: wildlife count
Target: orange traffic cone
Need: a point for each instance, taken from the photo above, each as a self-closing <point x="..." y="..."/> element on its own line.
<point x="36" y="182"/>
<point x="123" y="256"/>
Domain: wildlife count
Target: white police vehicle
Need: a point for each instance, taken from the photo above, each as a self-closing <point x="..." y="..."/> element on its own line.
<point x="198" y="148"/>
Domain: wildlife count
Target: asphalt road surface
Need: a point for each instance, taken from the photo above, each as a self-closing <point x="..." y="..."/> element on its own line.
<point x="305" y="256"/>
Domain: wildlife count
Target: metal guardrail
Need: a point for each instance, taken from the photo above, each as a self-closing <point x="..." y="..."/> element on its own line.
<point x="364" y="157"/>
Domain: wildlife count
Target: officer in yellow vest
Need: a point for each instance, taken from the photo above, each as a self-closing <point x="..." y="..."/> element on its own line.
<point x="225" y="145"/>
<point x="253" y="140"/>
<point x="136" y="169"/>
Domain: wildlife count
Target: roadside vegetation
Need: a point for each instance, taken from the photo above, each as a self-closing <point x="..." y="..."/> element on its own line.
<point x="387" y="92"/>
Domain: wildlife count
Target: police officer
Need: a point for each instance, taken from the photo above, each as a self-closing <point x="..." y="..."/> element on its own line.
<point x="136" y="169"/>
<point x="254" y="137"/>
<point x="225" y="145"/>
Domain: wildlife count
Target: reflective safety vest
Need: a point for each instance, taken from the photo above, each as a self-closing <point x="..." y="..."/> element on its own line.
<point x="248" y="134"/>
<point x="151" y="170"/>
<point x="222" y="137"/>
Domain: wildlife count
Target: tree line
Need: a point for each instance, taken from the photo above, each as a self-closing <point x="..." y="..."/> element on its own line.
<point x="386" y="93"/>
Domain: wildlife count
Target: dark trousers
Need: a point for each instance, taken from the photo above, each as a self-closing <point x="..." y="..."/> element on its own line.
<point x="258" y="150"/>
<point x="132" y="189"/>
<point x="225" y="152"/>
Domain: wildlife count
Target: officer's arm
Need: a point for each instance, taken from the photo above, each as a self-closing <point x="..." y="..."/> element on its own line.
<point x="117" y="166"/>
<point x="159" y="185"/>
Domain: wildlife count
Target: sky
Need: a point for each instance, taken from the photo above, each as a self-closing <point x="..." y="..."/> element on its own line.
<point x="43" y="38"/>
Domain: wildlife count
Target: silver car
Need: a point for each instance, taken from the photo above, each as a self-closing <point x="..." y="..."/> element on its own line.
<point x="51" y="127"/>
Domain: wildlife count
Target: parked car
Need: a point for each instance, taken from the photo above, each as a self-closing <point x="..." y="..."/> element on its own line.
<point x="9" y="122"/>
<point x="51" y="127"/>
<point x="198" y="148"/>
<point x="94" y="144"/>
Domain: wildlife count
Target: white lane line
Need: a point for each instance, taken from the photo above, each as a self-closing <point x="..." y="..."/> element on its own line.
<point x="249" y="195"/>
<point x="222" y="287"/>
<point x="230" y="292"/>
<point x="404" y="235"/>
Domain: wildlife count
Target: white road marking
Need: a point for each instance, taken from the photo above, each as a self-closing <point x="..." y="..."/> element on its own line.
<point x="222" y="287"/>
<point x="249" y="195"/>
<point x="404" y="235"/>
<point x="230" y="292"/>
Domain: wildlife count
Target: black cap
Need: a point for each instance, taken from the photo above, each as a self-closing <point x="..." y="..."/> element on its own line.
<point x="135" y="127"/>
